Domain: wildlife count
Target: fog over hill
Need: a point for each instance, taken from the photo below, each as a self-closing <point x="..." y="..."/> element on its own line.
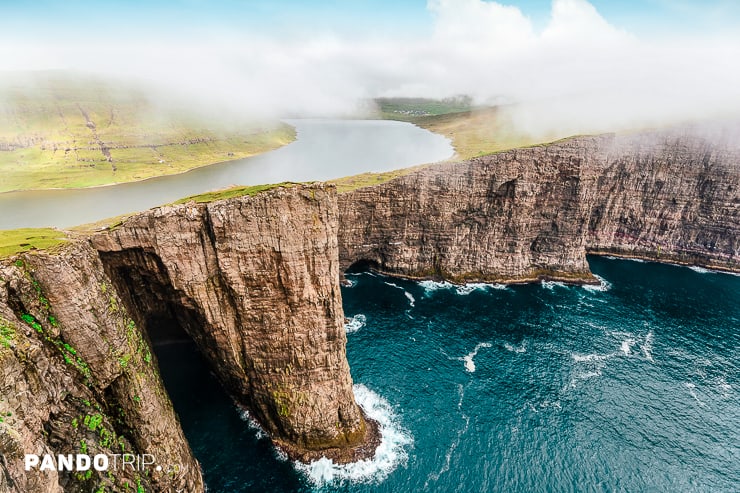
<point x="575" y="71"/>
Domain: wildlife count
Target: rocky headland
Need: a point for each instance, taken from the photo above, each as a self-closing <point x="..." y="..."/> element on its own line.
<point x="254" y="282"/>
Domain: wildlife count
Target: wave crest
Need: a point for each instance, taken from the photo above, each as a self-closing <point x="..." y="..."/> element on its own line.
<point x="390" y="453"/>
<point x="355" y="323"/>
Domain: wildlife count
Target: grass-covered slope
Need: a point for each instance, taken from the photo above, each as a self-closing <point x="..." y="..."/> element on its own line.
<point x="473" y="130"/>
<point x="60" y="131"/>
<point x="22" y="240"/>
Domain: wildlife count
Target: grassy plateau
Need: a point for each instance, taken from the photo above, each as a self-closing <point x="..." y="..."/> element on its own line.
<point x="60" y="131"/>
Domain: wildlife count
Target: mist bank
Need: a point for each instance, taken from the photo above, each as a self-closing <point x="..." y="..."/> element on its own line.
<point x="68" y="130"/>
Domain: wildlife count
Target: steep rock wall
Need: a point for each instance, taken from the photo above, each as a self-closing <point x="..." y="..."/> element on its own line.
<point x="254" y="282"/>
<point x="77" y="377"/>
<point x="535" y="212"/>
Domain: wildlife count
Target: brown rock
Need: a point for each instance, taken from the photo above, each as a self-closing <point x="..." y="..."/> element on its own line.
<point x="534" y="213"/>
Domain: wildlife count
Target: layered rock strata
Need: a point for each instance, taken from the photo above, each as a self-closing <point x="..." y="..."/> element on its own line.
<point x="254" y="282"/>
<point x="77" y="377"/>
<point x="534" y="213"/>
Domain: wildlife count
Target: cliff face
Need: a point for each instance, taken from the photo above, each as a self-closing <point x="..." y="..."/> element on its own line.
<point x="535" y="212"/>
<point x="254" y="282"/>
<point x="77" y="377"/>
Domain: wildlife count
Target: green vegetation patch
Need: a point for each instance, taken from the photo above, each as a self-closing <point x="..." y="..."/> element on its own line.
<point x="7" y="332"/>
<point x="230" y="193"/>
<point x="13" y="241"/>
<point x="409" y="108"/>
<point x="349" y="183"/>
<point x="58" y="130"/>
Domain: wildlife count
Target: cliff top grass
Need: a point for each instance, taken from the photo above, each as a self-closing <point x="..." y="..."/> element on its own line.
<point x="13" y="241"/>
<point x="230" y="193"/>
<point x="58" y="130"/>
<point x="349" y="183"/>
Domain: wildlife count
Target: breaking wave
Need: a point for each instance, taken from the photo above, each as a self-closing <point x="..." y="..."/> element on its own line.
<point x="355" y="323"/>
<point x="603" y="285"/>
<point x="462" y="290"/>
<point x="390" y="453"/>
<point x="552" y="284"/>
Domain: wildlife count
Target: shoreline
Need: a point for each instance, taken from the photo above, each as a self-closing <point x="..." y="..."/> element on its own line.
<point x="678" y="263"/>
<point x="588" y="279"/>
<point x="204" y="165"/>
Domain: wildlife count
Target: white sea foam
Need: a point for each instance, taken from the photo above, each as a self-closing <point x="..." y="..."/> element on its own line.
<point x="430" y="286"/>
<point x="349" y="283"/>
<point x="393" y="285"/>
<point x="700" y="270"/>
<point x="604" y="285"/>
<point x="638" y="260"/>
<point x="551" y="284"/>
<point x="469" y="288"/>
<point x="626" y="346"/>
<point x="692" y="391"/>
<point x="412" y="300"/>
<point x="464" y="289"/>
<point x="253" y="424"/>
<point x="516" y="349"/>
<point x="355" y="323"/>
<point x="724" y="387"/>
<point x="468" y="359"/>
<point x="647" y="346"/>
<point x="591" y="357"/>
<point x="453" y="446"/>
<point x="390" y="453"/>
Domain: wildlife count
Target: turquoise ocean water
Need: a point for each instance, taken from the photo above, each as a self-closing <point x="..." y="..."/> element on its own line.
<point x="630" y="386"/>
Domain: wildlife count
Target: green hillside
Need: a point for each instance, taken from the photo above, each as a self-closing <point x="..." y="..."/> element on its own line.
<point x="60" y="131"/>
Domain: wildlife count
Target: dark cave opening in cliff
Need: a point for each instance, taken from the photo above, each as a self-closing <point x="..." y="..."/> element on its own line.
<point x="214" y="427"/>
<point x="362" y="265"/>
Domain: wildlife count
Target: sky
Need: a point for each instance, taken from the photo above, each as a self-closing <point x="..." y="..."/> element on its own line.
<point x="603" y="63"/>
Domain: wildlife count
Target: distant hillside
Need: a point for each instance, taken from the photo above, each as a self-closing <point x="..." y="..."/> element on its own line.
<point x="410" y="108"/>
<point x="60" y="131"/>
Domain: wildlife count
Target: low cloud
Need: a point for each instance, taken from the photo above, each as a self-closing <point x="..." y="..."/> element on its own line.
<point x="578" y="73"/>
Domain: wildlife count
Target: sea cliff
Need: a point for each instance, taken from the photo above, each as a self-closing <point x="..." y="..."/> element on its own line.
<point x="534" y="213"/>
<point x="254" y="281"/>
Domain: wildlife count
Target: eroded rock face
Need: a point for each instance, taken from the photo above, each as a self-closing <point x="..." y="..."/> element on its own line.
<point x="254" y="282"/>
<point x="535" y="212"/>
<point x="77" y="377"/>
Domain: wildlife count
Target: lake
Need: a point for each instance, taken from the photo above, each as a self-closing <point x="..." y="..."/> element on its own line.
<point x="323" y="150"/>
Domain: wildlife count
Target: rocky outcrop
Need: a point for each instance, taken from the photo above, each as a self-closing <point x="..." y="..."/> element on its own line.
<point x="536" y="212"/>
<point x="254" y="282"/>
<point x="77" y="376"/>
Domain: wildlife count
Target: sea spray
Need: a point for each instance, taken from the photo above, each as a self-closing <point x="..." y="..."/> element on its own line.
<point x="355" y="323"/>
<point x="391" y="452"/>
<point x="468" y="359"/>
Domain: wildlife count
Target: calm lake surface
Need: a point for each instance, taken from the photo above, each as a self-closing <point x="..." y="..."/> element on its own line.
<point x="324" y="149"/>
<point x="633" y="385"/>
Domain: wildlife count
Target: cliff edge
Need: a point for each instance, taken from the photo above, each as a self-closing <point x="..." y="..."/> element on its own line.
<point x="534" y="213"/>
